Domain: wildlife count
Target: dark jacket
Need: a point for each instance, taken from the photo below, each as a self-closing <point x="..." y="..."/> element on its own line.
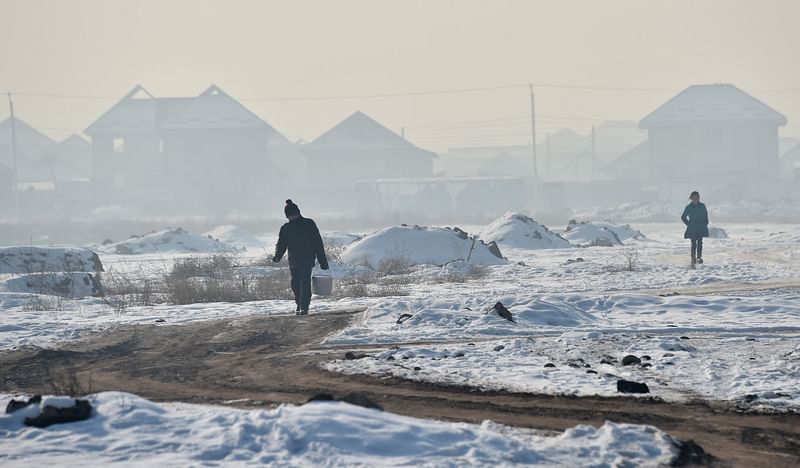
<point x="301" y="237"/>
<point x="695" y="217"/>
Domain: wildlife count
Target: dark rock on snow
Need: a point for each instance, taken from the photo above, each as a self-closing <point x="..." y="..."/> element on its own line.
<point x="501" y="310"/>
<point x="627" y="386"/>
<point x="630" y="359"/>
<point x="14" y="405"/>
<point x="51" y="415"/>
<point x="499" y="348"/>
<point x="351" y="355"/>
<point x="549" y="364"/>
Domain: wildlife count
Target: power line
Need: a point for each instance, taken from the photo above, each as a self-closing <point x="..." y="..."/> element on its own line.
<point x="418" y="93"/>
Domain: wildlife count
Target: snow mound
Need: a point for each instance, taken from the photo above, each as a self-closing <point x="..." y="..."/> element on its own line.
<point x="338" y="239"/>
<point x="717" y="233"/>
<point x="519" y="231"/>
<point x="169" y="240"/>
<point x="603" y="234"/>
<point x="235" y="236"/>
<point x="127" y="430"/>
<point x="418" y="245"/>
<point x="44" y="259"/>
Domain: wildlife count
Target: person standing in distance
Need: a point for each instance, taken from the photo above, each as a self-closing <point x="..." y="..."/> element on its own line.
<point x="695" y="217"/>
<point x="301" y="237"/>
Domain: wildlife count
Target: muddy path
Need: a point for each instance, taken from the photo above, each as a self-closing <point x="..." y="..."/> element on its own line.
<point x="261" y="361"/>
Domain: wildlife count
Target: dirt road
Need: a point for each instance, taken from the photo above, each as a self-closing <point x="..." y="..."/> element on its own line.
<point x="263" y="361"/>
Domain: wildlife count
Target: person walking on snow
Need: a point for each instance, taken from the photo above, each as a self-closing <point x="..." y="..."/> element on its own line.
<point x="695" y="217"/>
<point x="300" y="236"/>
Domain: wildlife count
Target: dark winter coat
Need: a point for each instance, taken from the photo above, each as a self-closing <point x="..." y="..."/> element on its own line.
<point x="695" y="217"/>
<point x="301" y="237"/>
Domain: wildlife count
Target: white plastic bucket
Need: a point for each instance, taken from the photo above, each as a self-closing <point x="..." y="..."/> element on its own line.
<point x="322" y="285"/>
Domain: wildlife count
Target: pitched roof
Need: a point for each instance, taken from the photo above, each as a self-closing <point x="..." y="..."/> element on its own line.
<point x="140" y="111"/>
<point x="360" y="131"/>
<point x="792" y="155"/>
<point x="75" y="140"/>
<point x="712" y="102"/>
<point x="213" y="109"/>
<point x="32" y="146"/>
<point x="628" y="162"/>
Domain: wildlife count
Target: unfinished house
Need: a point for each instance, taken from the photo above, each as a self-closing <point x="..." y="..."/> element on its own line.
<point x="361" y="149"/>
<point x="206" y="154"/>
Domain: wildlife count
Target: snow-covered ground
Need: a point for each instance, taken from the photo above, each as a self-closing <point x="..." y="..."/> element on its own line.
<point x="555" y="295"/>
<point x="126" y="430"/>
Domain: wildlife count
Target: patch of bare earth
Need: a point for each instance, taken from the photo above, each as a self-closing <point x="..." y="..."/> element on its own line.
<point x="263" y="361"/>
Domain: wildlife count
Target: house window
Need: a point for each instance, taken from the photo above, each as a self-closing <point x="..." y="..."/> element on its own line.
<point x="119" y="145"/>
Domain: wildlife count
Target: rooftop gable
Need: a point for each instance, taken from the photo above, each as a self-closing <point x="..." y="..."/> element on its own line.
<point x="710" y="103"/>
<point x="213" y="108"/>
<point x="360" y="131"/>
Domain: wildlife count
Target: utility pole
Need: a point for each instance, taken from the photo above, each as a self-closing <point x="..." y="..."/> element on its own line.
<point x="15" y="175"/>
<point x="548" y="156"/>
<point x="533" y="133"/>
<point x="594" y="156"/>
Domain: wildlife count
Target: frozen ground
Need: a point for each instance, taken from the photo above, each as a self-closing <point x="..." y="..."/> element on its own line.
<point x="126" y="430"/>
<point x="569" y="304"/>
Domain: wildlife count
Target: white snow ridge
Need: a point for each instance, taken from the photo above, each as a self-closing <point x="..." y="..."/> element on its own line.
<point x="126" y="430"/>
<point x="519" y="231"/>
<point x="417" y="245"/>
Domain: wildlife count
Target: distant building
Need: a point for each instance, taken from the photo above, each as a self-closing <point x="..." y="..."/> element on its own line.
<point x="790" y="164"/>
<point x="361" y="149"/>
<point x="203" y="154"/>
<point x="714" y="136"/>
<point x="563" y="156"/>
<point x="51" y="177"/>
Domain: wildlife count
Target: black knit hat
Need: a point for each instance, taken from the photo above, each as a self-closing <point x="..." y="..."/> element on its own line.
<point x="291" y="209"/>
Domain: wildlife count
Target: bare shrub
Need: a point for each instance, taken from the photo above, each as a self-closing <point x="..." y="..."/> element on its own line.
<point x="64" y="381"/>
<point x="43" y="304"/>
<point x="394" y="266"/>
<point x="354" y="285"/>
<point x="215" y="266"/>
<point x="631" y="257"/>
<point x="473" y="273"/>
<point x="137" y="287"/>
<point x="335" y="253"/>
<point x="221" y="278"/>
<point x="374" y="285"/>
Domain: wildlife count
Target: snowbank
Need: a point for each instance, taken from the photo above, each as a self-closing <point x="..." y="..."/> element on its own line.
<point x="717" y="233"/>
<point x="127" y="430"/>
<point x="420" y="246"/>
<point x="64" y="284"/>
<point x="519" y="231"/>
<point x="169" y="240"/>
<point x="602" y="234"/>
<point x="43" y="259"/>
<point x="235" y="236"/>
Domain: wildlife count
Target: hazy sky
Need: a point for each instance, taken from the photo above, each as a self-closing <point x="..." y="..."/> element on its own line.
<point x="264" y="49"/>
